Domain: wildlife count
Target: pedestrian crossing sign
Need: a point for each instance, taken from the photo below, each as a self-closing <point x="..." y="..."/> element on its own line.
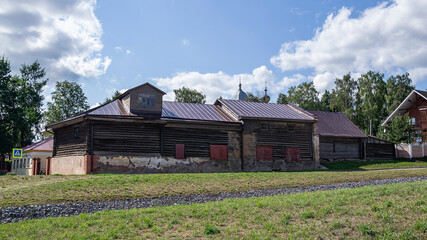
<point x="17" y="153"/>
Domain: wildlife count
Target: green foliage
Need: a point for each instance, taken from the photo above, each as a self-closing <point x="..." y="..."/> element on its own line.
<point x="343" y="96"/>
<point x="370" y="102"/>
<point x="68" y="99"/>
<point x="325" y="102"/>
<point x="20" y="104"/>
<point x="189" y="96"/>
<point x="115" y="95"/>
<point x="210" y="230"/>
<point x="305" y="96"/>
<point x="282" y="99"/>
<point x="398" y="88"/>
<point x="251" y="97"/>
<point x="399" y="131"/>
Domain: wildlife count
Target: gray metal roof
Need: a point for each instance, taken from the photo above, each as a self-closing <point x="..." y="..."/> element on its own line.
<point x="334" y="124"/>
<point x="114" y="108"/>
<point x="245" y="109"/>
<point x="195" y="111"/>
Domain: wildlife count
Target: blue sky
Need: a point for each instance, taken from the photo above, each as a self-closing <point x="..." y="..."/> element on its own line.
<point x="208" y="45"/>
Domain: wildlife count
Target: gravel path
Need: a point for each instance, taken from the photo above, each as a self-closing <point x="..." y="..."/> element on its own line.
<point x="15" y="214"/>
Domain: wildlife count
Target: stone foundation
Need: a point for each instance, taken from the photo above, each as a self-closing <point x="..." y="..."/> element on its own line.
<point x="158" y="164"/>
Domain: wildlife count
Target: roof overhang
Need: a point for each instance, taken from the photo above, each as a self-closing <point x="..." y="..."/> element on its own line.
<point x="403" y="107"/>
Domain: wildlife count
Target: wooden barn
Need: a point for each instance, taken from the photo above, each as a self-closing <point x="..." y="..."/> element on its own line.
<point x="340" y="138"/>
<point x="141" y="133"/>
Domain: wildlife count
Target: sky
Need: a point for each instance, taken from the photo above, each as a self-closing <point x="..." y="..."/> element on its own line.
<point x="209" y="45"/>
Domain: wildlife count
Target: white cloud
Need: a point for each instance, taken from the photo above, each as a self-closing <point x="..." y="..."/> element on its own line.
<point x="95" y="105"/>
<point x="218" y="84"/>
<point x="64" y="36"/>
<point x="128" y="52"/>
<point x="185" y="42"/>
<point x="118" y="48"/>
<point x="384" y="38"/>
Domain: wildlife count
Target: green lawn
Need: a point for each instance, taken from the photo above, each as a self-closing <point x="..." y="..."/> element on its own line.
<point x="368" y="165"/>
<point x="397" y="211"/>
<point x="25" y="190"/>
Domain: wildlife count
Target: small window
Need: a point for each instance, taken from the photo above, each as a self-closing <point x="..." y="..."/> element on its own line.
<point x="219" y="152"/>
<point x="291" y="128"/>
<point x="264" y="153"/>
<point x="76" y="133"/>
<point x="146" y="100"/>
<point x="263" y="126"/>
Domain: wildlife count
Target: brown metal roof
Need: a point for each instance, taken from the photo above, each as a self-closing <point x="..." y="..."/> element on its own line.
<point x="114" y="108"/>
<point x="195" y="111"/>
<point x="244" y="109"/>
<point x="43" y="145"/>
<point x="333" y="124"/>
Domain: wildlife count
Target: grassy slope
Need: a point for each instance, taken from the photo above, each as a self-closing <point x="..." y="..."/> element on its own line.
<point x="367" y="165"/>
<point x="397" y="211"/>
<point x="25" y="190"/>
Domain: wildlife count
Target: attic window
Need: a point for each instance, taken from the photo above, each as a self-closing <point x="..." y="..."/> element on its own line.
<point x="146" y="100"/>
<point x="291" y="128"/>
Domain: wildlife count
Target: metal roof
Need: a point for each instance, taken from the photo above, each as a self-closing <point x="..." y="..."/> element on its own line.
<point x="195" y="111"/>
<point x="43" y="145"/>
<point x="114" y="108"/>
<point x="334" y="124"/>
<point x="244" y="109"/>
<point x="403" y="107"/>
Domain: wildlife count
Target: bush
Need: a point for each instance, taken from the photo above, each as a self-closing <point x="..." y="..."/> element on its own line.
<point x="3" y="172"/>
<point x="11" y="173"/>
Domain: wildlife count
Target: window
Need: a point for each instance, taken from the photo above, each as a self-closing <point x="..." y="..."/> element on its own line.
<point x="263" y="126"/>
<point x="146" y="100"/>
<point x="291" y="128"/>
<point x="76" y="133"/>
<point x="179" y="151"/>
<point x="264" y="153"/>
<point x="25" y="163"/>
<point x="412" y="121"/>
<point x="219" y="152"/>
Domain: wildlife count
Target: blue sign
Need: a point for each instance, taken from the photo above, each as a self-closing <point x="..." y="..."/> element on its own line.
<point x="17" y="153"/>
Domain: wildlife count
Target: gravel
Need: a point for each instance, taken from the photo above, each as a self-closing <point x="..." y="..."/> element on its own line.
<point x="15" y="214"/>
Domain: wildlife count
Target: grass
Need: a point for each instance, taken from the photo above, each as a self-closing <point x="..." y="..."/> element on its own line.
<point x="368" y="165"/>
<point x="400" y="213"/>
<point x="26" y="190"/>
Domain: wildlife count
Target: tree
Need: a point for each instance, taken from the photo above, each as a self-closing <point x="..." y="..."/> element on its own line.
<point x="399" y="131"/>
<point x="370" y="102"/>
<point x="325" y="102"/>
<point x="305" y="96"/>
<point x="398" y="88"/>
<point x="68" y="100"/>
<point x="21" y="102"/>
<point x="282" y="99"/>
<point x="189" y="96"/>
<point x="343" y="96"/>
<point x="116" y="94"/>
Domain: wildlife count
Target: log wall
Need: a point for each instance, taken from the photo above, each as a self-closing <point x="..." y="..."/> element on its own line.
<point x="65" y="142"/>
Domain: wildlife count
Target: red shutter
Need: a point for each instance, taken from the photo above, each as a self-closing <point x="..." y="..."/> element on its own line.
<point x="219" y="152"/>
<point x="179" y="151"/>
<point x="264" y="153"/>
<point x="293" y="154"/>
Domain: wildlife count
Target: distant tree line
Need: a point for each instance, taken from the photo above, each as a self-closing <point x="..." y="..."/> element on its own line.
<point x="366" y="101"/>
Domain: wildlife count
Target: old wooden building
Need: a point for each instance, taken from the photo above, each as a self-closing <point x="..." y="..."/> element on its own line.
<point x="141" y="133"/>
<point x="340" y="138"/>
